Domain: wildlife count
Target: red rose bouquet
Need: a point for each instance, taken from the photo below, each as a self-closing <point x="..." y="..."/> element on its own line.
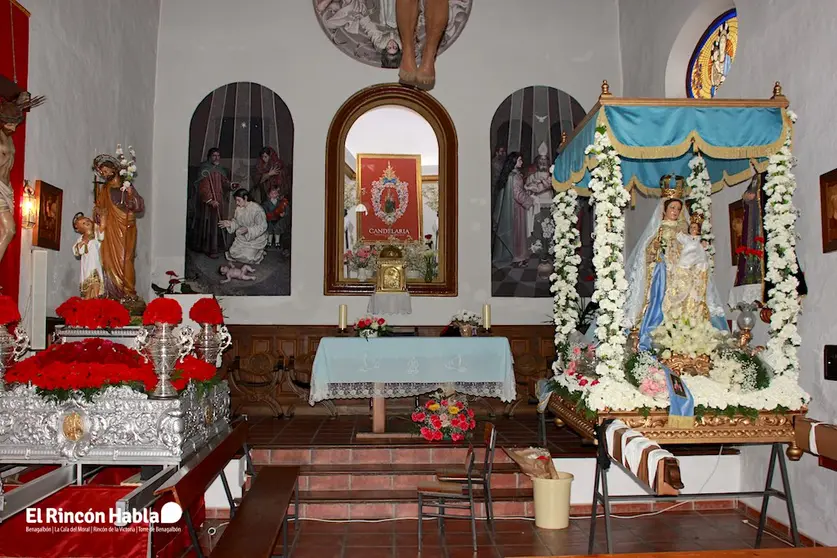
<point x="372" y="326"/>
<point x="9" y="314"/>
<point x="94" y="313"/>
<point x="163" y="311"/>
<point x="445" y="418"/>
<point x="207" y="311"/>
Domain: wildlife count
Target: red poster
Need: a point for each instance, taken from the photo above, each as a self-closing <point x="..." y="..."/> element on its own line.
<point x="14" y="66"/>
<point x="390" y="190"/>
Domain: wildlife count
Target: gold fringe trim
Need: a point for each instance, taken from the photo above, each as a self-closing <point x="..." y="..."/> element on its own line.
<point x="676" y="421"/>
<point x="668" y="152"/>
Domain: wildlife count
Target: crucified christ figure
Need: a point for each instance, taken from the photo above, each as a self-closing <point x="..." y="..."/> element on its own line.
<point x="11" y="115"/>
<point x="435" y="22"/>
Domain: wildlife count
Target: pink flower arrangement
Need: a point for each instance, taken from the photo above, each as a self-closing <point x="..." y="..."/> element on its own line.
<point x="582" y="365"/>
<point x="654" y="383"/>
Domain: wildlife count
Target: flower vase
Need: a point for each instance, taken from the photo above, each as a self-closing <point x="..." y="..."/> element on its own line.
<point x="210" y="341"/>
<point x="545" y="269"/>
<point x="467" y="330"/>
<point x="368" y="333"/>
<point x="164" y="349"/>
<point x="12" y="347"/>
<point x="362" y="274"/>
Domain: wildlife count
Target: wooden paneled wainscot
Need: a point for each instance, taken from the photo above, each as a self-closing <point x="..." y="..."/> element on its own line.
<point x="269" y="367"/>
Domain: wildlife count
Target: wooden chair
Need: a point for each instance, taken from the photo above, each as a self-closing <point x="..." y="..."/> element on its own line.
<point x="449" y="495"/>
<point x="256" y="524"/>
<point x="255" y="382"/>
<point x="483" y="475"/>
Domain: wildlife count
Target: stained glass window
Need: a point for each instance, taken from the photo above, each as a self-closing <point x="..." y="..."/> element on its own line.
<point x="713" y="56"/>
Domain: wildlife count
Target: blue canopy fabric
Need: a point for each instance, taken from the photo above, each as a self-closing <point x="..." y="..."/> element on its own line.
<point x="655" y="139"/>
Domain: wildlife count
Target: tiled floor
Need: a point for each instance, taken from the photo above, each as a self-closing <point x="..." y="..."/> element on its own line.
<point x="317" y="431"/>
<point x="663" y="532"/>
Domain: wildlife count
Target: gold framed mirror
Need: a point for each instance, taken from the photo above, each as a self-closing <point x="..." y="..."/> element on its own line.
<point x="391" y="180"/>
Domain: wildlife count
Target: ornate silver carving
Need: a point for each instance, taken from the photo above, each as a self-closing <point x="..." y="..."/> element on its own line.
<point x="211" y="341"/>
<point x="164" y="350"/>
<point x="120" y="425"/>
<point x="12" y="347"/>
<point x="122" y="335"/>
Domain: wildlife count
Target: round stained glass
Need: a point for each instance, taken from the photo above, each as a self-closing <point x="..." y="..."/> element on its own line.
<point x="713" y="56"/>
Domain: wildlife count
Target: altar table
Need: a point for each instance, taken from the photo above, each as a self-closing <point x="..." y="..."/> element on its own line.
<point x="378" y="368"/>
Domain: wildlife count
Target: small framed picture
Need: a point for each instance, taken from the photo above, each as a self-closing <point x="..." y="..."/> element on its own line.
<point x="49" y="202"/>
<point x="828" y="204"/>
<point x="736" y="228"/>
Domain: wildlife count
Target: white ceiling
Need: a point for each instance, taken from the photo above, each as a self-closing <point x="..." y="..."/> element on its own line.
<point x="394" y="130"/>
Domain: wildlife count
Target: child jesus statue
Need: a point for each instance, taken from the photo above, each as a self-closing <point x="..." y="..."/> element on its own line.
<point x="87" y="248"/>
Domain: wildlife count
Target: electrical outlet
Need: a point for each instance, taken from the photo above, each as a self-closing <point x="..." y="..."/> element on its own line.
<point x="830" y="359"/>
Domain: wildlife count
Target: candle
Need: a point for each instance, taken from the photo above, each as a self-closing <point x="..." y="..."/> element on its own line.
<point x="486" y="316"/>
<point x="343" y="319"/>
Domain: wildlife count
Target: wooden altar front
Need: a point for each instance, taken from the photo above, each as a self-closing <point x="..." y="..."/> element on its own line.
<point x="269" y="368"/>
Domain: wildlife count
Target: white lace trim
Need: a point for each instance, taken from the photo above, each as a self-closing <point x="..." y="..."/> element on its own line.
<point x="366" y="390"/>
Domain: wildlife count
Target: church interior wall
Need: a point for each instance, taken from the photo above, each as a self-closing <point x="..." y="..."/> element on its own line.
<point x="284" y="48"/>
<point x="100" y="92"/>
<point x="774" y="45"/>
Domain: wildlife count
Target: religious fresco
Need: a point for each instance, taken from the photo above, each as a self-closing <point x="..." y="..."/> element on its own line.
<point x="525" y="136"/>
<point x="367" y="30"/>
<point x="240" y="193"/>
<point x="711" y="61"/>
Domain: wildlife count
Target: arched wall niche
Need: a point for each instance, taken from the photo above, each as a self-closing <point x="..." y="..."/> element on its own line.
<point x="335" y="281"/>
<point x="704" y="14"/>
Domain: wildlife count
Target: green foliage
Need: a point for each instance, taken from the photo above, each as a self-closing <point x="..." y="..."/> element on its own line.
<point x="574" y="397"/>
<point x="644" y="412"/>
<point x="630" y="367"/>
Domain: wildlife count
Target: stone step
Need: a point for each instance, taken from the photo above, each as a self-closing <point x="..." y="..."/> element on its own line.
<point x="440" y="456"/>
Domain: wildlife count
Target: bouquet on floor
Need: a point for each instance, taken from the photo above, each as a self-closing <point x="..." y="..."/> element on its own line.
<point x="445" y="418"/>
<point x="534" y="462"/>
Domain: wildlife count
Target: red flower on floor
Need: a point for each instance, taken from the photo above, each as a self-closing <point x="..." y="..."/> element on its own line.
<point x="444" y="419"/>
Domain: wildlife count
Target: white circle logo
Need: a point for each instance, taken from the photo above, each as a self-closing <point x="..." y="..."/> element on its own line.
<point x="171" y="513"/>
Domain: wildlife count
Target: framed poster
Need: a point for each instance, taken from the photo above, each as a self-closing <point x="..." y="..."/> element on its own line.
<point x="49" y="202"/>
<point x="828" y="205"/>
<point x="736" y="228"/>
<point x="389" y="188"/>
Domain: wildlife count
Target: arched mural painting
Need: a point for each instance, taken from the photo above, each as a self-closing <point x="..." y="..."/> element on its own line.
<point x="525" y="136"/>
<point x="239" y="200"/>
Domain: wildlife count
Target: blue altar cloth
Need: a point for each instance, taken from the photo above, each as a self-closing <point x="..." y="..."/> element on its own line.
<point x="353" y="367"/>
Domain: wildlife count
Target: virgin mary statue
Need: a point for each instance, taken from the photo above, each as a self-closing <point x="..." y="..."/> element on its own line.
<point x="667" y="280"/>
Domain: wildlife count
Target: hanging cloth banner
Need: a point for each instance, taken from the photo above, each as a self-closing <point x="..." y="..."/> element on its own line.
<point x="681" y="412"/>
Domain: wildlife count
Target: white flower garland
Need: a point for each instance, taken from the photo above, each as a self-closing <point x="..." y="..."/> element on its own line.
<point x="566" y="242"/>
<point x="779" y="220"/>
<point x="610" y="198"/>
<point x="701" y="193"/>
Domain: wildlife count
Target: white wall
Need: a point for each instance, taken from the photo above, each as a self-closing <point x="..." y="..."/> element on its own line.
<point x="280" y="45"/>
<point x="778" y="41"/>
<point x="95" y="61"/>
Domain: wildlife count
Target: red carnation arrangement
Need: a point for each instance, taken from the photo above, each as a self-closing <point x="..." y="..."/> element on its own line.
<point x="192" y="368"/>
<point x="94" y="364"/>
<point x="207" y="311"/>
<point x="9" y="314"/>
<point x="85" y="366"/>
<point x="94" y="313"/>
<point x="163" y="311"/>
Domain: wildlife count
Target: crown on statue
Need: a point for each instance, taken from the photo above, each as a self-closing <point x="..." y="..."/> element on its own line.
<point x="672" y="186"/>
<point x="696" y="219"/>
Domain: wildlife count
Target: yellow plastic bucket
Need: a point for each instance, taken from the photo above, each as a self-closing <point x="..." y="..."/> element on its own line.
<point x="552" y="501"/>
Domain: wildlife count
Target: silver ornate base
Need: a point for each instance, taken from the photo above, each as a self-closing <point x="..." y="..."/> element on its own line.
<point x="120" y="426"/>
<point x="124" y="335"/>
